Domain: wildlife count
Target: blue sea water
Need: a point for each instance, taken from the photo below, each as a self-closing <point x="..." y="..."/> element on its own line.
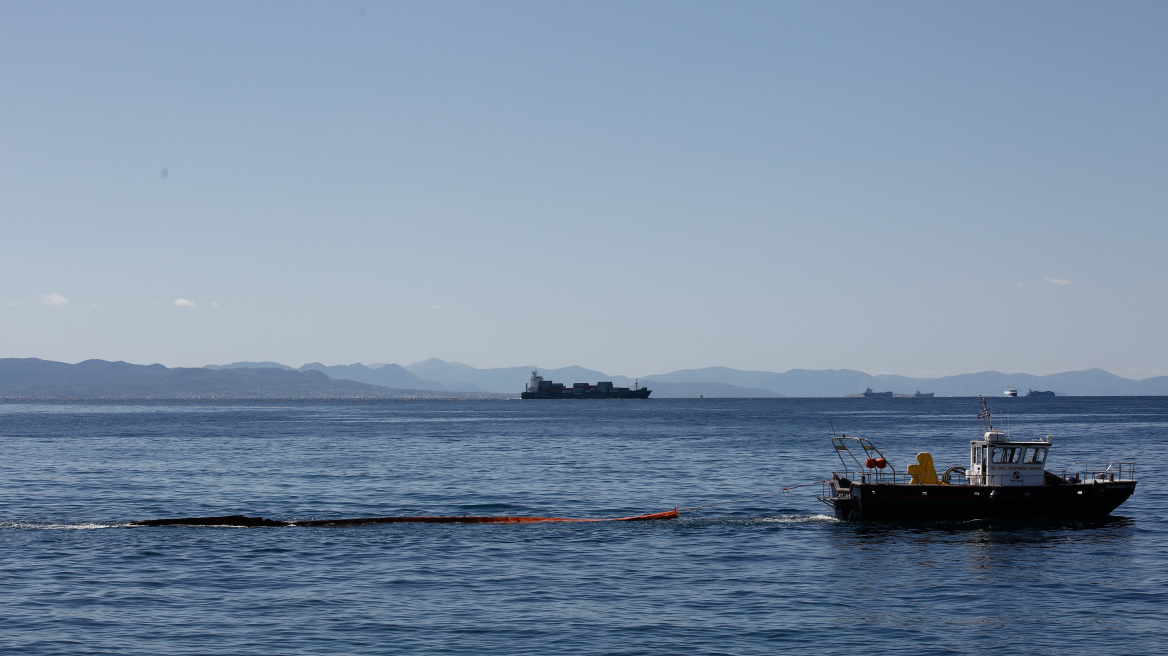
<point x="771" y="574"/>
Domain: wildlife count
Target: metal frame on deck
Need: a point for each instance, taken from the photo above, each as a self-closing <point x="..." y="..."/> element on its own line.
<point x="866" y="474"/>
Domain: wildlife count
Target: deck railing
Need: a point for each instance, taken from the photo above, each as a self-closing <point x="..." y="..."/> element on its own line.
<point x="1109" y="472"/>
<point x="873" y="476"/>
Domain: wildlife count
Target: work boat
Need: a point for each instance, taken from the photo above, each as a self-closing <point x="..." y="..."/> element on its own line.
<point x="1005" y="478"/>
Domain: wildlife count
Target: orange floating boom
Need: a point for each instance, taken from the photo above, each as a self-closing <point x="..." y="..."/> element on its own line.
<point x="241" y="520"/>
<point x="469" y="519"/>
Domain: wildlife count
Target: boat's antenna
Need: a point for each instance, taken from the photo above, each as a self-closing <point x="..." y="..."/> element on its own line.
<point x="832" y="427"/>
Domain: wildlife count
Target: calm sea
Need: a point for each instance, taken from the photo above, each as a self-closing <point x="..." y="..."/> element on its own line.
<point x="772" y="574"/>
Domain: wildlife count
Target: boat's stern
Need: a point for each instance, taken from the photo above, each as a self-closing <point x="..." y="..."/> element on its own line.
<point x="840" y="493"/>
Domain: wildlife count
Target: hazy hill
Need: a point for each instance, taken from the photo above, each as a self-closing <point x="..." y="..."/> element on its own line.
<point x="387" y="375"/>
<point x="249" y="365"/>
<point x="451" y="374"/>
<point x="509" y="380"/>
<point x="839" y="382"/>
<point x="34" y="379"/>
<point x="709" y="390"/>
<point x="796" y="382"/>
<point x="435" y="374"/>
<point x="1090" y="382"/>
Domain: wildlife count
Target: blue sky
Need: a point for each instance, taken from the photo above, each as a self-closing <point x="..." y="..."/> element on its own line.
<point x="917" y="188"/>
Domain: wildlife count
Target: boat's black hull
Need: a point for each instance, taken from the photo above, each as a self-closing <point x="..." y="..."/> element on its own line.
<point x="631" y="394"/>
<point x="907" y="502"/>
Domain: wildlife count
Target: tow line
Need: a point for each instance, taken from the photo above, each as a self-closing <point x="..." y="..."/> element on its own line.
<point x="784" y="490"/>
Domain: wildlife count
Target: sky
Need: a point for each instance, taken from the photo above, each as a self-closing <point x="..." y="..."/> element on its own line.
<point x="917" y="188"/>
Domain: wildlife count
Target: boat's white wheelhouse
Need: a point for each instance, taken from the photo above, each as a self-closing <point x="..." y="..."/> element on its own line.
<point x="996" y="460"/>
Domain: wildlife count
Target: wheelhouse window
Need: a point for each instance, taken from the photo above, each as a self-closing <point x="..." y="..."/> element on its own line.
<point x="1004" y="454"/>
<point x="1034" y="455"/>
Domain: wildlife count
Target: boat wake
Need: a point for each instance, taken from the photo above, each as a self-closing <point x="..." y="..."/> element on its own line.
<point x="54" y="526"/>
<point x="802" y="519"/>
<point x="771" y="520"/>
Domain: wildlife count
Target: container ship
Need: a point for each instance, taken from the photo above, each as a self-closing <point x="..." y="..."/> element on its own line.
<point x="538" y="388"/>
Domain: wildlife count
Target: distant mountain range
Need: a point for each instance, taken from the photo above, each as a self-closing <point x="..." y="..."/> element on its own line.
<point x="31" y="378"/>
<point x="713" y="382"/>
<point x="439" y="375"/>
<point x="840" y="382"/>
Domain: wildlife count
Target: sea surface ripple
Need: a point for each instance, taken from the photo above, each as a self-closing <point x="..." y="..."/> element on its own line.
<point x="769" y="574"/>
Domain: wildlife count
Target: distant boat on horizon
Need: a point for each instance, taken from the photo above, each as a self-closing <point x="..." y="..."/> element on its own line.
<point x="869" y="394"/>
<point x="1011" y="392"/>
<point x="1030" y="392"/>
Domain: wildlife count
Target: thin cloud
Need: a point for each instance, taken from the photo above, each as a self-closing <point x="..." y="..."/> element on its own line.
<point x="1058" y="281"/>
<point x="55" y="300"/>
<point x="182" y="302"/>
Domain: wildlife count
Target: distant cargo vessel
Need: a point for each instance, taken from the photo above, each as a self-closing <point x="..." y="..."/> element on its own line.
<point x="538" y="388"/>
<point x="869" y="394"/>
<point x="1030" y="392"/>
